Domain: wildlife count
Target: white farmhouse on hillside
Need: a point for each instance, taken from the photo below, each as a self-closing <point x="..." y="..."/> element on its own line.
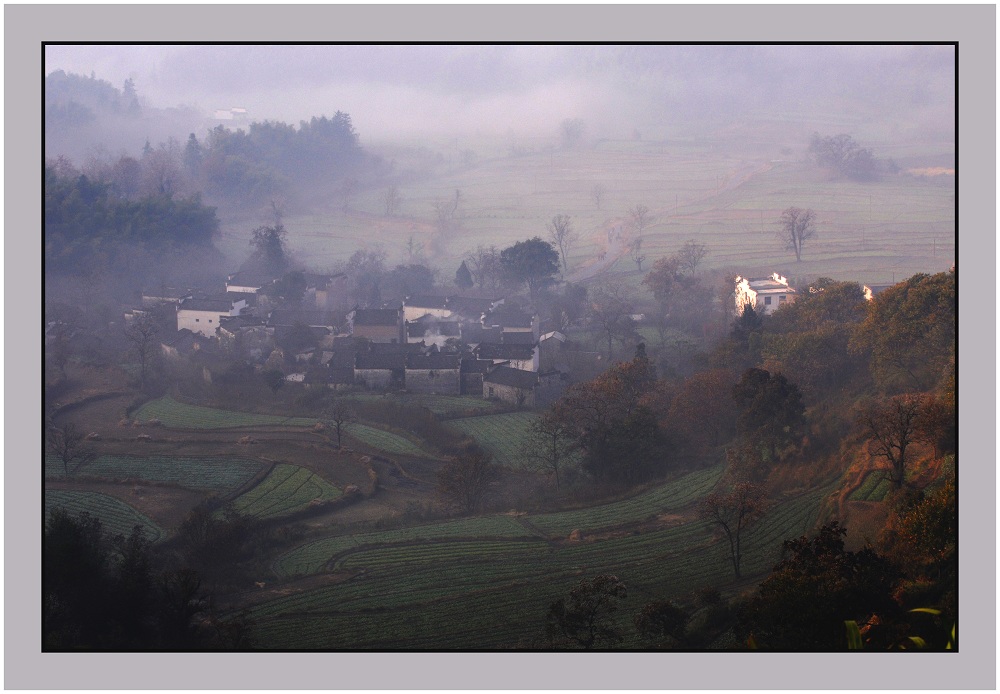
<point x="201" y="315"/>
<point x="765" y="294"/>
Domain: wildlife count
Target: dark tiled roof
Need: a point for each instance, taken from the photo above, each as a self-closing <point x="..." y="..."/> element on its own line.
<point x="341" y="360"/>
<point x="328" y="319"/>
<point x="517" y="338"/>
<point x="515" y="378"/>
<point x="508" y="318"/>
<point x="471" y="306"/>
<point x="220" y="304"/>
<point x="476" y="366"/>
<point x="380" y="361"/>
<point x="394" y="348"/>
<point x="441" y="362"/>
<point x="376" y="316"/>
<point x="475" y="333"/>
<point x="251" y="279"/>
<point x="490" y="350"/>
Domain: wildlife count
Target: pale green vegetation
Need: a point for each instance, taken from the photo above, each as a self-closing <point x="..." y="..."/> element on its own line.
<point x="214" y="473"/>
<point x="725" y="194"/>
<point x="503" y="435"/>
<point x="414" y="594"/>
<point x="874" y="488"/>
<point x="117" y="516"/>
<point x="442" y="405"/>
<point x="179" y="415"/>
<point x="313" y="556"/>
<point x="669" y="497"/>
<point x="286" y="489"/>
<point x="385" y="440"/>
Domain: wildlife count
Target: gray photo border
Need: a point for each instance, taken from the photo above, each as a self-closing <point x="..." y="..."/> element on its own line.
<point x="973" y="26"/>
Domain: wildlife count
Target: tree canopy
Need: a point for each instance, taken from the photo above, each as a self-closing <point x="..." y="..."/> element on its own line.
<point x="533" y="262"/>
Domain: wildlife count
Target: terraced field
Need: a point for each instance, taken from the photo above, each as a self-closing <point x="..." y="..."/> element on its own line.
<point x="493" y="593"/>
<point x="503" y="435"/>
<point x="385" y="440"/>
<point x="288" y="488"/>
<point x="116" y="516"/>
<point x="669" y="497"/>
<point x="314" y="556"/>
<point x="874" y="488"/>
<point x="442" y="405"/>
<point x="179" y="415"/>
<point x="216" y="473"/>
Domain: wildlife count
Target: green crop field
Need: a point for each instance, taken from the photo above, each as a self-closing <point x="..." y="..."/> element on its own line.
<point x="217" y="473"/>
<point x="671" y="496"/>
<point x="180" y="415"/>
<point x="288" y="488"/>
<point x="493" y="592"/>
<point x="385" y="440"/>
<point x="116" y="516"/>
<point x="313" y="556"/>
<point x="442" y="405"/>
<point x="874" y="488"/>
<point x="503" y="435"/>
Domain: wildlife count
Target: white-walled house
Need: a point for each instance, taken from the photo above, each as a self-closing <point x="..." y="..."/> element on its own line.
<point x="202" y="315"/>
<point x="873" y="290"/>
<point x="764" y="294"/>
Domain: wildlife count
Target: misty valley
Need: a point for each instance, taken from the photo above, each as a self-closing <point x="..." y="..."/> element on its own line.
<point x="537" y="348"/>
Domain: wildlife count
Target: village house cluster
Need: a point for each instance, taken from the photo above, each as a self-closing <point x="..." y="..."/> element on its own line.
<point x="441" y="344"/>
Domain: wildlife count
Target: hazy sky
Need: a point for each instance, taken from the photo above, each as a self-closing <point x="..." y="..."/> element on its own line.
<point x="404" y="89"/>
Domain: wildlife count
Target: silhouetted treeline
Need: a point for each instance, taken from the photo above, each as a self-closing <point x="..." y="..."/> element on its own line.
<point x="84" y="217"/>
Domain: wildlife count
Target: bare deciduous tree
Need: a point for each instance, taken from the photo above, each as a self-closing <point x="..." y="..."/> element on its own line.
<point x="734" y="512"/>
<point x="484" y="264"/>
<point x="141" y="334"/>
<point x="338" y="414"/>
<point x="797" y="225"/>
<point x="891" y="426"/>
<point x="690" y="255"/>
<point x="391" y="199"/>
<point x="466" y="482"/>
<point x="562" y="235"/>
<point x="69" y="445"/>
<point x="640" y="217"/>
<point x="597" y="194"/>
<point x="637" y="253"/>
<point x="550" y="444"/>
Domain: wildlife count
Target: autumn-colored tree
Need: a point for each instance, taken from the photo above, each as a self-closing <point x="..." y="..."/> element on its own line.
<point x="663" y="624"/>
<point x="550" y="445"/>
<point x="771" y="410"/>
<point x="733" y="512"/>
<point x="921" y="537"/>
<point x="616" y="430"/>
<point x="466" y="481"/>
<point x="891" y="426"/>
<point x="803" y="604"/>
<point x="703" y="412"/>
<point x="908" y="334"/>
<point x="808" y="340"/>
<point x="587" y="617"/>
<point x="611" y="312"/>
